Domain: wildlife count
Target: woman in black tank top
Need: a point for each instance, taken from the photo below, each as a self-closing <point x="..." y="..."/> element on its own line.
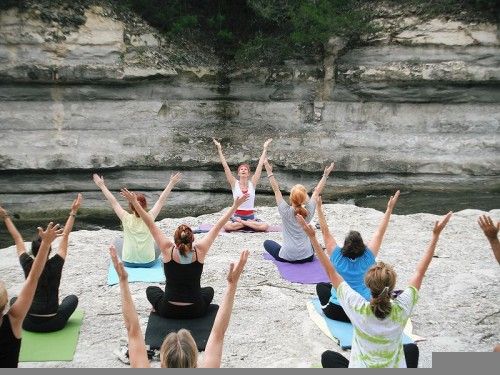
<point x="11" y="322"/>
<point x="183" y="260"/>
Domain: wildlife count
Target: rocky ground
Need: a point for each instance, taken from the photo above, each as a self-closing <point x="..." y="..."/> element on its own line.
<point x="270" y="327"/>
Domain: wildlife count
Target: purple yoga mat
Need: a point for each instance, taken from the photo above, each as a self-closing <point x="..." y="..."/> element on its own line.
<point x="203" y="228"/>
<point x="302" y="273"/>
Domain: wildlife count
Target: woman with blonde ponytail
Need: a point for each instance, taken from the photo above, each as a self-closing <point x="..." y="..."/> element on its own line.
<point x="379" y="323"/>
<point x="296" y="246"/>
<point x="351" y="261"/>
<point x="183" y="261"/>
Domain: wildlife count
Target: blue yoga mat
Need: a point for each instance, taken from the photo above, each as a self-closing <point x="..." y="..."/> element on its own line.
<point x="339" y="331"/>
<point x="153" y="274"/>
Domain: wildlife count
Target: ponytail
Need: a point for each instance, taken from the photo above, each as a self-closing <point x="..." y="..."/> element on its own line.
<point x="301" y="210"/>
<point x="298" y="198"/>
<point x="381" y="305"/>
<point x="183" y="239"/>
<point x="381" y="279"/>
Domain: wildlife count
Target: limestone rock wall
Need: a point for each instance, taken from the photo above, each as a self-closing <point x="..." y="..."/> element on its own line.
<point x="420" y="100"/>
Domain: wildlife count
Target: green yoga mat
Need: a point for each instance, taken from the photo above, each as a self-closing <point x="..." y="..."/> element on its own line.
<point x="52" y="346"/>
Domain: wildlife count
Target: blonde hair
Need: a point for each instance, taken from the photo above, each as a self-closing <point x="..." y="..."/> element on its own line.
<point x="3" y="297"/>
<point x="381" y="279"/>
<point x="298" y="198"/>
<point x="179" y="350"/>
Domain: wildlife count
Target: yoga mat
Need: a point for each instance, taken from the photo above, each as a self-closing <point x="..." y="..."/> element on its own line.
<point x="340" y="332"/>
<point x="52" y="346"/>
<point x="204" y="228"/>
<point x="303" y="273"/>
<point x="158" y="328"/>
<point x="153" y="274"/>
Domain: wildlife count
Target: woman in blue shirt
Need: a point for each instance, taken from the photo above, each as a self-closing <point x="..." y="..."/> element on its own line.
<point x="351" y="261"/>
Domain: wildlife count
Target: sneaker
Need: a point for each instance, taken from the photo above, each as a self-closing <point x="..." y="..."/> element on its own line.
<point x="122" y="354"/>
<point x="153" y="354"/>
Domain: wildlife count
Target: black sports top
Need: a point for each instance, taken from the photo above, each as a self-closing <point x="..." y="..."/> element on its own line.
<point x="10" y="345"/>
<point x="183" y="280"/>
<point x="46" y="300"/>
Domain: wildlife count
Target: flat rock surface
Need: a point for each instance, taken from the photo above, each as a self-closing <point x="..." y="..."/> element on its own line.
<point x="270" y="327"/>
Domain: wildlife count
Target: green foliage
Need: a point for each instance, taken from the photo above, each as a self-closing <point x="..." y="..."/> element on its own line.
<point x="316" y="21"/>
<point x="264" y="50"/>
<point x="266" y="31"/>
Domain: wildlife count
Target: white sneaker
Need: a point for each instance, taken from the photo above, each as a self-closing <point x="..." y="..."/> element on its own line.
<point x="122" y="354"/>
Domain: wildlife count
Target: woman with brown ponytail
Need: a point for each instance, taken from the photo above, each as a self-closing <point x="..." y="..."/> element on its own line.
<point x="378" y="323"/>
<point x="183" y="260"/>
<point x="296" y="246"/>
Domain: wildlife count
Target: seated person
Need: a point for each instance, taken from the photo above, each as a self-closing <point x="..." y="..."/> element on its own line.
<point x="246" y="184"/>
<point x="179" y="348"/>
<point x="11" y="322"/>
<point x="378" y="323"/>
<point x="351" y="262"/>
<point x="183" y="260"/>
<point x="296" y="246"/>
<point x="45" y="313"/>
<point x="137" y="248"/>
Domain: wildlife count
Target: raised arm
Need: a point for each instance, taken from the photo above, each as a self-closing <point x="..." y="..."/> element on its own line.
<point x="20" y="308"/>
<point x="330" y="242"/>
<point x="213" y="350"/>
<point x="159" y="236"/>
<point x="491" y="233"/>
<point x="174" y="179"/>
<point x="229" y="176"/>
<point x="206" y="242"/>
<point x="136" y="345"/>
<point x="18" y="239"/>
<point x="273" y="182"/>
<point x="322" y="182"/>
<point x="378" y="236"/>
<point x="99" y="181"/>
<point x="263" y="157"/>
<point x="334" y="277"/>
<point x="68" y="227"/>
<point x="418" y="276"/>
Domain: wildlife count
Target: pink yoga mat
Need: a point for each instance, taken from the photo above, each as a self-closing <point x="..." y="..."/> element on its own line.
<point x="302" y="273"/>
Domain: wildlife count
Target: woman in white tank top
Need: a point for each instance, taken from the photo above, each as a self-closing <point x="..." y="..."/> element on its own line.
<point x="244" y="217"/>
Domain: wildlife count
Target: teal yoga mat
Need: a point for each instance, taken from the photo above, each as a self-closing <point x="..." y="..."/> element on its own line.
<point x="153" y="274"/>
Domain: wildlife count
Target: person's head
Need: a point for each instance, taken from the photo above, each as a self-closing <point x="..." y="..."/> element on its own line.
<point x="35" y="245"/>
<point x="183" y="239"/>
<point x="298" y="199"/>
<point x="179" y="350"/>
<point x="4" y="297"/>
<point x="142" y="201"/>
<point x="243" y="170"/>
<point x="353" y="245"/>
<point x="381" y="280"/>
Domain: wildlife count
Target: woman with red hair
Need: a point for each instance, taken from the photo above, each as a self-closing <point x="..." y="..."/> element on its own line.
<point x="244" y="217"/>
<point x="137" y="247"/>
<point x="183" y="261"/>
<point x="296" y="246"/>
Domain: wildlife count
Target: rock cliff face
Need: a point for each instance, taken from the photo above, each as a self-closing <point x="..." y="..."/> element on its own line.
<point x="418" y="105"/>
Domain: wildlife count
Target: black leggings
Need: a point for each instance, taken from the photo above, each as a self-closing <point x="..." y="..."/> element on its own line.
<point x="331" y="310"/>
<point x="331" y="359"/>
<point x="273" y="248"/>
<point x="53" y="323"/>
<point x="156" y="297"/>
